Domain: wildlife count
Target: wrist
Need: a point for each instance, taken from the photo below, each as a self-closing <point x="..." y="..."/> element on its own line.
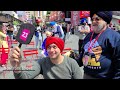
<point x="17" y="69"/>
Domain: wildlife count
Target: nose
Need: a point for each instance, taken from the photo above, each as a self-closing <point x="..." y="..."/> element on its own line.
<point x="51" y="49"/>
<point x="93" y="20"/>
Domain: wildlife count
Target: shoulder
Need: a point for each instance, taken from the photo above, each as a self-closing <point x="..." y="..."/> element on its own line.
<point x="88" y="35"/>
<point x="70" y="61"/>
<point x="43" y="60"/>
<point x="112" y="34"/>
<point x="58" y="26"/>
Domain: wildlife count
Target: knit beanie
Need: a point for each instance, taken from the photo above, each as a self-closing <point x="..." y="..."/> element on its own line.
<point x="55" y="40"/>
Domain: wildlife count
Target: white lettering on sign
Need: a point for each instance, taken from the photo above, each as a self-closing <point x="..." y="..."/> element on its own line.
<point x="75" y="12"/>
<point x="24" y="34"/>
<point x="75" y="17"/>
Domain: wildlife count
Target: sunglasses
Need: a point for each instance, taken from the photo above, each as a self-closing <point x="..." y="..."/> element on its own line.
<point x="96" y="19"/>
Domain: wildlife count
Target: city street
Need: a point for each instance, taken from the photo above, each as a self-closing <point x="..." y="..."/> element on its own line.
<point x="98" y="33"/>
<point x="71" y="42"/>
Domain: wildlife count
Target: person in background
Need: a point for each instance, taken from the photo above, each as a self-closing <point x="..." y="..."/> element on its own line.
<point x="84" y="29"/>
<point x="64" y="26"/>
<point x="100" y="53"/>
<point x="38" y="36"/>
<point x="57" y="30"/>
<point x="44" y="52"/>
<point x="110" y="25"/>
<point x="72" y="30"/>
<point x="43" y="28"/>
<point x="118" y="26"/>
<point x="3" y="45"/>
<point x="15" y="31"/>
<point x="10" y="30"/>
<point x="55" y="66"/>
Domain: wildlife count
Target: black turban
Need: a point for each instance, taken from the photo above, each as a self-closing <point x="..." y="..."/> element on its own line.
<point x="105" y="15"/>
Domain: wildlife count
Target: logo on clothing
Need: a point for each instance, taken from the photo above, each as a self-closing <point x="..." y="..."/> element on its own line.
<point x="91" y="59"/>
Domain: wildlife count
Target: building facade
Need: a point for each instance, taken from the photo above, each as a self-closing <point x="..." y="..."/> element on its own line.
<point x="9" y="16"/>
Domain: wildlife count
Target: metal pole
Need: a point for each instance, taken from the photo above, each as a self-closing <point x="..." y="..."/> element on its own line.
<point x="34" y="16"/>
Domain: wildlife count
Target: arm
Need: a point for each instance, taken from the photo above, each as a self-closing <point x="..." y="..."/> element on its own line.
<point x="87" y="30"/>
<point x="56" y="32"/>
<point x="19" y="72"/>
<point x="62" y="33"/>
<point x="76" y="70"/>
<point x="3" y="35"/>
<point x="28" y="73"/>
<point x="79" y="60"/>
<point x="116" y="61"/>
<point x="43" y="44"/>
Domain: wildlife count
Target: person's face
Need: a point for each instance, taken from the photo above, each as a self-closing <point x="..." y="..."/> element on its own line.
<point x="53" y="51"/>
<point x="4" y="28"/>
<point x="48" y="35"/>
<point x="52" y="27"/>
<point x="98" y="23"/>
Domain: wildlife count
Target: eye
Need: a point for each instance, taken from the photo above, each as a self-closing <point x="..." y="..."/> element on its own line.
<point x="48" y="47"/>
<point x="54" y="47"/>
<point x="97" y="18"/>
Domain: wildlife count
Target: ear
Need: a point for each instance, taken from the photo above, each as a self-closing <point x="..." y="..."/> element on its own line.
<point x="105" y="24"/>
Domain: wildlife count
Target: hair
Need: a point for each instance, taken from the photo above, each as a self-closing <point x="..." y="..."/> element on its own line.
<point x="48" y="33"/>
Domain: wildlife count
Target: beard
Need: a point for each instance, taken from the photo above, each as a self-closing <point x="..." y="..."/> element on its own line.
<point x="98" y="28"/>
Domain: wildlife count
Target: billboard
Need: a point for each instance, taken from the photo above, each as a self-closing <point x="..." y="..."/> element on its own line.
<point x="84" y="14"/>
<point x="75" y="17"/>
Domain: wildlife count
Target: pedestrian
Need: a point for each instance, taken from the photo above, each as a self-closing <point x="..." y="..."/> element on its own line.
<point x="57" y="30"/>
<point x="83" y="29"/>
<point x="10" y="34"/>
<point x="38" y="37"/>
<point x="100" y="54"/>
<point x="15" y="31"/>
<point x="44" y="28"/>
<point x="64" y="26"/>
<point x="72" y="29"/>
<point x="55" y="66"/>
<point x="3" y="46"/>
<point x="44" y="51"/>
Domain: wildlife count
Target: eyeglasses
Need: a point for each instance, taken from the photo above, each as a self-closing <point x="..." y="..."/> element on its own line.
<point x="96" y="19"/>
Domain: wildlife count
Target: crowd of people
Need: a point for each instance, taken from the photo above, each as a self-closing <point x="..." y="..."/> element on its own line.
<point x="7" y="34"/>
<point x="98" y="46"/>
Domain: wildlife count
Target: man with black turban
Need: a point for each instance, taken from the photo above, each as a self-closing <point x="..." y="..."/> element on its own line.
<point x="100" y="53"/>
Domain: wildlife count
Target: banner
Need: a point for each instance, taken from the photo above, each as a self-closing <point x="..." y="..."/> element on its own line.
<point x="75" y="17"/>
<point x="84" y="14"/>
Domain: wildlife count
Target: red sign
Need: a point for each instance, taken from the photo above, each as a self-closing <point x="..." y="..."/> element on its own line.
<point x="84" y="14"/>
<point x="62" y="15"/>
<point x="75" y="17"/>
<point x="38" y="20"/>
